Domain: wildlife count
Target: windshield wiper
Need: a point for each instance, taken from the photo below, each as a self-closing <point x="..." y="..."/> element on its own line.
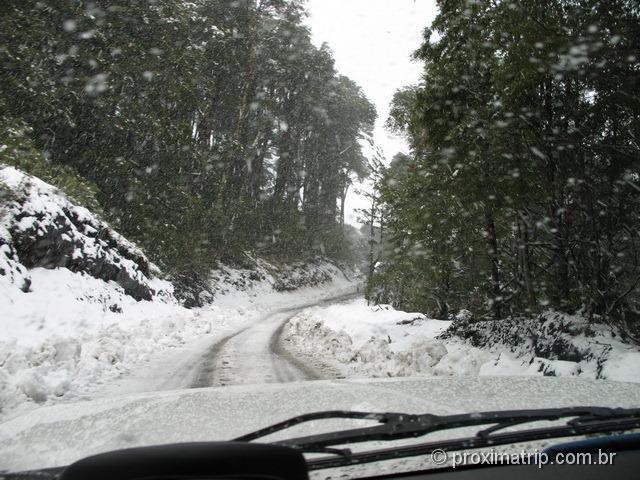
<point x="397" y="426"/>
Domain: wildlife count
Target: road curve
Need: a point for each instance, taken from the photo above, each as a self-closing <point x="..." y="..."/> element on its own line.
<point x="254" y="354"/>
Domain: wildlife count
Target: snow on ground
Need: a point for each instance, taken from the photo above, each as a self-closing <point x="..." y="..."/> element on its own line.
<point x="378" y="341"/>
<point x="552" y="344"/>
<point x="74" y="336"/>
<point x="73" y="330"/>
<point x="70" y="325"/>
<point x="41" y="227"/>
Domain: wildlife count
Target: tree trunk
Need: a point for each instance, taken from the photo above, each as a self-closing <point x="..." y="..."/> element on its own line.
<point x="343" y="198"/>
<point x="372" y="242"/>
<point x="492" y="252"/>
<point x="525" y="259"/>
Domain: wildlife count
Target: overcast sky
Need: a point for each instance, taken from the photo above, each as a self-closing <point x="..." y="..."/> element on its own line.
<point x="372" y="41"/>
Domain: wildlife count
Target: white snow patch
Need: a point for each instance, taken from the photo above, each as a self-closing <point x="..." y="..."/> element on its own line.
<point x="36" y="214"/>
<point x="76" y="337"/>
<point x="378" y="341"/>
<point x="73" y="330"/>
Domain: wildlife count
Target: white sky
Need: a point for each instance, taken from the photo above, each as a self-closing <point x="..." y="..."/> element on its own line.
<point x="372" y="41"/>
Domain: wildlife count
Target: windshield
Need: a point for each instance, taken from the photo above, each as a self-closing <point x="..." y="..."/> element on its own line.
<point x="216" y="215"/>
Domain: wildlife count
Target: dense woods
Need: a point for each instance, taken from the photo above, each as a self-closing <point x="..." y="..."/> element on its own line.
<point x="209" y="128"/>
<point x="522" y="192"/>
<point x="199" y="129"/>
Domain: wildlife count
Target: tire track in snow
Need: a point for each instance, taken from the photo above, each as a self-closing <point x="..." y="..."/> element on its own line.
<point x="255" y="354"/>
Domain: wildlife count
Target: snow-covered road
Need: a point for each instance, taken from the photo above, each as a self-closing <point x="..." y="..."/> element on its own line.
<point x="255" y="354"/>
<point x="63" y="342"/>
<point x="235" y="341"/>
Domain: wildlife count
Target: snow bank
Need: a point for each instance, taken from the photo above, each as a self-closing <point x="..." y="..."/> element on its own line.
<point x="310" y="273"/>
<point x="80" y="309"/>
<point x="257" y="288"/>
<point x="375" y="341"/>
<point x="40" y="227"/>
<point x="69" y="291"/>
<point x="72" y="330"/>
<point x="73" y="336"/>
<point x="378" y="341"/>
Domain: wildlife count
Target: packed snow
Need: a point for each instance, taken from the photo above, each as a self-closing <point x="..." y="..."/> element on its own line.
<point x="83" y="316"/>
<point x="378" y="341"/>
<point x="77" y="329"/>
<point x="76" y="337"/>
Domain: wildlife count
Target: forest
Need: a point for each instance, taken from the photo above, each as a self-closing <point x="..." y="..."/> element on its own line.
<point x="521" y="192"/>
<point x="203" y="130"/>
<point x="200" y="130"/>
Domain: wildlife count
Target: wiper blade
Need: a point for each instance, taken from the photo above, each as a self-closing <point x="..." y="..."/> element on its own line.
<point x="397" y="426"/>
<point x="309" y="417"/>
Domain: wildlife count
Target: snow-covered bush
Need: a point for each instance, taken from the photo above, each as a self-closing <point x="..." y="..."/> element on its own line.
<point x="463" y="316"/>
<point x="550" y="335"/>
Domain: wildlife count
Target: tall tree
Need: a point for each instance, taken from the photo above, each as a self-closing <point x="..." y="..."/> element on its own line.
<point x="524" y="158"/>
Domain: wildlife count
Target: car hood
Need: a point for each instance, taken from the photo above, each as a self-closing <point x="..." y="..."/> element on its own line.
<point x="61" y="434"/>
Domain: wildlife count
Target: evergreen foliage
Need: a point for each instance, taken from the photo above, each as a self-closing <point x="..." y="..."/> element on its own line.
<point x="522" y="191"/>
<point x="208" y="127"/>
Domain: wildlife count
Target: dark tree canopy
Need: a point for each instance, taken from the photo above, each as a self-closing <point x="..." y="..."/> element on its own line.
<point x="522" y="191"/>
<point x="202" y="129"/>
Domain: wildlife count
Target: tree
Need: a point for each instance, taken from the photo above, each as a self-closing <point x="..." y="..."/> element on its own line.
<point x="523" y="159"/>
<point x="208" y="128"/>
